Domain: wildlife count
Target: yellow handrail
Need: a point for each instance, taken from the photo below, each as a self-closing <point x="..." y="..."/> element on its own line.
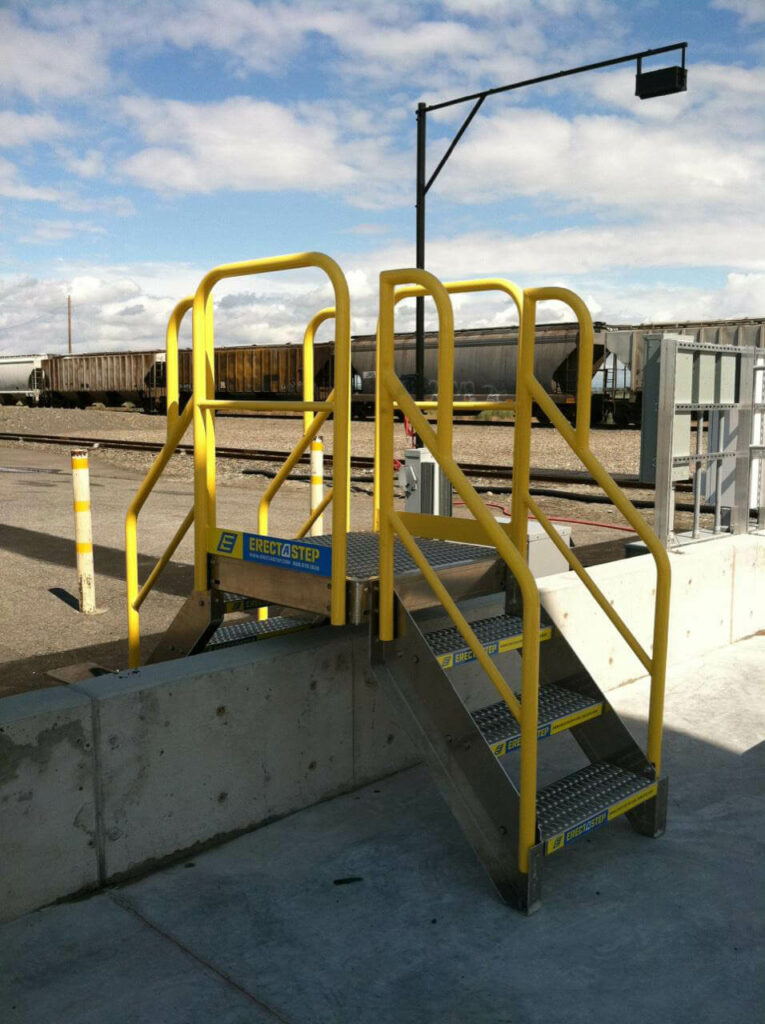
<point x="411" y="291"/>
<point x="135" y="598"/>
<point x="172" y="390"/>
<point x="390" y="391"/>
<point x="529" y="390"/>
<point x="205" y="406"/>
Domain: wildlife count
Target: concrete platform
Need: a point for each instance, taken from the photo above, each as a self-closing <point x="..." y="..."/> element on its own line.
<point x="372" y="908"/>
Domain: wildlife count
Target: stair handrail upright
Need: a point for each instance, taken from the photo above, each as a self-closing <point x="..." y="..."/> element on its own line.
<point x="530" y="390"/>
<point x="177" y="424"/>
<point x="206" y="405"/>
<point x="391" y="392"/>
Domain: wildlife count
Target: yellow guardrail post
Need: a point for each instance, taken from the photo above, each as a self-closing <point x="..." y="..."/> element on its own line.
<point x="172" y="390"/>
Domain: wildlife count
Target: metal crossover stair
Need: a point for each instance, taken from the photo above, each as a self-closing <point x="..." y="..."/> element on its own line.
<point x="470" y="751"/>
<point x="414" y="579"/>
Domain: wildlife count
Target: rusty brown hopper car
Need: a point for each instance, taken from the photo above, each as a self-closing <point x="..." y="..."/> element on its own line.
<point x="109" y="377"/>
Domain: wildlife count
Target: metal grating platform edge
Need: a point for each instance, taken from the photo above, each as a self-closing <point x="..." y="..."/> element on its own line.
<point x="497" y="634"/>
<point x="363" y="556"/>
<point x="578" y="804"/>
<point x="559" y="709"/>
<point x="245" y="632"/>
<point x="238" y="602"/>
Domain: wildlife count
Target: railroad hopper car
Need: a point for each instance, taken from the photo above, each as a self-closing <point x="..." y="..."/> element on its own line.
<point x="257" y="372"/>
<point x="485" y="362"/>
<point x="112" y="378"/>
<point x="619" y="396"/>
<point x="22" y="379"/>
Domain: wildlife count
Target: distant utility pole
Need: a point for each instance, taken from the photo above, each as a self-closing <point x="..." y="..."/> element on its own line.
<point x="69" y="321"/>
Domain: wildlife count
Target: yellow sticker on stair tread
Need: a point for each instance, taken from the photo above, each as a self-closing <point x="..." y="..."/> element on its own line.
<point x="632" y="801"/>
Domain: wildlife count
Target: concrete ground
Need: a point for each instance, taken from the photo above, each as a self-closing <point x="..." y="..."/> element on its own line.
<point x="372" y="908"/>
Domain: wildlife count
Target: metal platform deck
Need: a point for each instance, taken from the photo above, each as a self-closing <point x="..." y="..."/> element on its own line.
<point x="466" y="569"/>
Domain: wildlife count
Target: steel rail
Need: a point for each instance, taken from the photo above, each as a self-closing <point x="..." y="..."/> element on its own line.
<point x="484" y="471"/>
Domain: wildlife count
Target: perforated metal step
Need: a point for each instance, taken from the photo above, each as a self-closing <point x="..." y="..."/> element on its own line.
<point x="580" y="803"/>
<point x="497" y="634"/>
<point x="244" y="632"/>
<point x="559" y="710"/>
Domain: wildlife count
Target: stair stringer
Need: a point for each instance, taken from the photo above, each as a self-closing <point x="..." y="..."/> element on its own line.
<point x="481" y="796"/>
<point x="196" y="621"/>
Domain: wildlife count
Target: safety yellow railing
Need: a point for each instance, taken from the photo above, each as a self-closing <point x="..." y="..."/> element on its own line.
<point x="338" y="405"/>
<point x="310" y="430"/>
<point x="177" y="425"/>
<point x="528" y="391"/>
<point x="484" y="284"/>
<point x="311" y="427"/>
<point x="391" y="392"/>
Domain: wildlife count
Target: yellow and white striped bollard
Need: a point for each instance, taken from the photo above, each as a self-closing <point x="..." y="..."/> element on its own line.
<point x="83" y="531"/>
<point x="317" y="483"/>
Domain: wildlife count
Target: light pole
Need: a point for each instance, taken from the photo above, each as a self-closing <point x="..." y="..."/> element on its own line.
<point x="660" y="82"/>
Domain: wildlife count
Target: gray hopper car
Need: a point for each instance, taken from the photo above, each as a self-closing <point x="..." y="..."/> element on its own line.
<point x="620" y="394"/>
<point x="22" y="379"/>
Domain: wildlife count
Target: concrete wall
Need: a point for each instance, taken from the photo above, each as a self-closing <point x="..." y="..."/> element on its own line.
<point x="111" y="776"/>
<point x="108" y="777"/>
<point x="717" y="598"/>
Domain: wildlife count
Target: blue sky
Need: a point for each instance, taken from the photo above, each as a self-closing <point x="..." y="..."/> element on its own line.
<point x="142" y="143"/>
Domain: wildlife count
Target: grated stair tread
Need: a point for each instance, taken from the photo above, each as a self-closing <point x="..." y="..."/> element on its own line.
<point x="559" y="709"/>
<point x="497" y="634"/>
<point x="244" y="632"/>
<point x="584" y="801"/>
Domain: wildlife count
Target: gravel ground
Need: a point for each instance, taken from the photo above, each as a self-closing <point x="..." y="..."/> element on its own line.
<point x="618" y="450"/>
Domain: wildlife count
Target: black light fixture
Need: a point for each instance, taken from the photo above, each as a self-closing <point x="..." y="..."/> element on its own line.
<point x="662" y="81"/>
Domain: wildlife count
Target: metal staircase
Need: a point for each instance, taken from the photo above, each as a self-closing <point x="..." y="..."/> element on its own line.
<point x="416" y="581"/>
<point x="470" y="751"/>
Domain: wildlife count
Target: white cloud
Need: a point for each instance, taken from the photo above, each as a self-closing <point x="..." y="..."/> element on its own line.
<point x="35" y="63"/>
<point x="22" y="129"/>
<point x="11" y="187"/>
<point x="91" y="165"/>
<point x="751" y="12"/>
<point x="594" y="161"/>
<point x="58" y="230"/>
<point x="243" y="144"/>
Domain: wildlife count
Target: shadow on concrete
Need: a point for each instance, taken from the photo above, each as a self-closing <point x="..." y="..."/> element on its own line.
<point x="177" y="579"/>
<point x="66" y="597"/>
<point x="28" y="674"/>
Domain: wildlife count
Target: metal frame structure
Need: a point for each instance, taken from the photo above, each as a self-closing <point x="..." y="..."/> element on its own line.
<point x="707" y="395"/>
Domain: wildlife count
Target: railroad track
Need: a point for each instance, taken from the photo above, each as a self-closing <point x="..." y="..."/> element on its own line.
<point x="476" y="470"/>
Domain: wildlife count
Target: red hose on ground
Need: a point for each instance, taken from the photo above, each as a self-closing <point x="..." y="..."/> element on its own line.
<point x="559" y="519"/>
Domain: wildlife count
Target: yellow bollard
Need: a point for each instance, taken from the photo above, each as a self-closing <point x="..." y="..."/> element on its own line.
<point x="83" y="531"/>
<point x="317" y="483"/>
